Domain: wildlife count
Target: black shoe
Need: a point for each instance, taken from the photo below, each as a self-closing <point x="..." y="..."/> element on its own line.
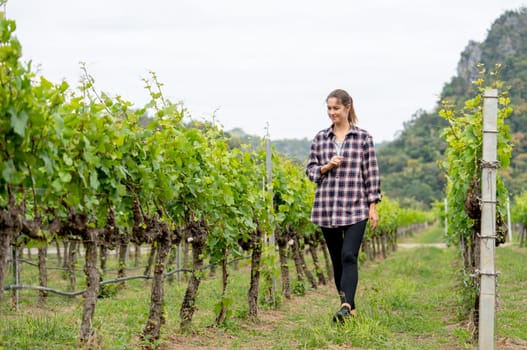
<point x="343" y="314"/>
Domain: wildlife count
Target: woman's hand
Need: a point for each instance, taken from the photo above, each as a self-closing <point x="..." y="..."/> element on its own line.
<point x="373" y="217"/>
<point x="335" y="162"/>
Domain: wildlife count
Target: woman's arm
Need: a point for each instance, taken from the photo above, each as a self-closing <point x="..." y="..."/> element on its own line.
<point x="370" y="171"/>
<point x="373" y="217"/>
<point x="314" y="170"/>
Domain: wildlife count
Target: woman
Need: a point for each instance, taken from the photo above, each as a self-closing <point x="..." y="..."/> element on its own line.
<point x="343" y="164"/>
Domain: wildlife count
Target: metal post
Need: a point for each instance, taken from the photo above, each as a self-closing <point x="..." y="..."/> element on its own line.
<point x="487" y="270"/>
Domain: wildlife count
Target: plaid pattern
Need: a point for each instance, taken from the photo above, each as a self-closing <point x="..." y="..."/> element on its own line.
<point x="343" y="194"/>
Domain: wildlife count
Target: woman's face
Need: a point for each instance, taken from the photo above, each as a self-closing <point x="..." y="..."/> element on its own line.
<point x="337" y="112"/>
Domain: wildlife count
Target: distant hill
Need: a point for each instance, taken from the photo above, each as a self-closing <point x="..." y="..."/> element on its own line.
<point x="296" y="149"/>
<point x="409" y="163"/>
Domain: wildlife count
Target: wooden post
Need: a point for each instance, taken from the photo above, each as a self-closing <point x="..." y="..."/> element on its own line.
<point x="487" y="241"/>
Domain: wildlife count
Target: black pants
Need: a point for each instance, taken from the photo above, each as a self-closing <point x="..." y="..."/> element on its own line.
<point x="344" y="244"/>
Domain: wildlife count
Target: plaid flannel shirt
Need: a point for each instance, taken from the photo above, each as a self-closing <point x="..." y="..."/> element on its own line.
<point x="343" y="194"/>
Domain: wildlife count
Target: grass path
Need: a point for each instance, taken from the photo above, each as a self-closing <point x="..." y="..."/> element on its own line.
<point x="404" y="302"/>
<point x="431" y="235"/>
<point x="410" y="300"/>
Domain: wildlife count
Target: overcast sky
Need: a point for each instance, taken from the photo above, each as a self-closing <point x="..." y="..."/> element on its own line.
<point x="258" y="62"/>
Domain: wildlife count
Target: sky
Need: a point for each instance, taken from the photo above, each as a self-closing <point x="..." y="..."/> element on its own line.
<point x="261" y="65"/>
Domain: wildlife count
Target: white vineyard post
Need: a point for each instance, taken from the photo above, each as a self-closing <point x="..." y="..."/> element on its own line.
<point x="487" y="268"/>
<point x="269" y="168"/>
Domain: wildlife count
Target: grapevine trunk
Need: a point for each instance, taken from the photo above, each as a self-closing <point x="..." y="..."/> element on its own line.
<point x="5" y="242"/>
<point x="42" y="274"/>
<point x="320" y="274"/>
<point x="284" y="269"/>
<point x="92" y="291"/>
<point x="188" y="304"/>
<point x="155" y="318"/>
<point x="70" y="263"/>
<point x="252" y="294"/>
<point x="222" y="315"/>
<point x="59" y="254"/>
<point x="137" y="254"/>
<point x="151" y="256"/>
<point x="303" y="264"/>
<point x="121" y="272"/>
<point x="103" y="258"/>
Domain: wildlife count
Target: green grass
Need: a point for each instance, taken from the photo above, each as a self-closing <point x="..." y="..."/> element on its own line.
<point x="512" y="292"/>
<point x="26" y="331"/>
<point x="434" y="234"/>
<point x="411" y="300"/>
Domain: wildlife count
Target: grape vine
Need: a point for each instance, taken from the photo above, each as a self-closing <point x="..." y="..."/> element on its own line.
<point x="463" y="168"/>
<point x="80" y="165"/>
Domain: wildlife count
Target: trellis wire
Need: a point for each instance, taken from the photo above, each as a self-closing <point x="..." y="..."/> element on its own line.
<point x="116" y="280"/>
